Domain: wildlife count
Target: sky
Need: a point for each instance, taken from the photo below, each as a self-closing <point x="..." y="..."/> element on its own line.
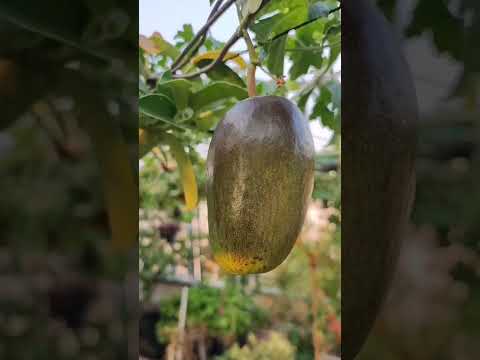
<point x="167" y="17"/>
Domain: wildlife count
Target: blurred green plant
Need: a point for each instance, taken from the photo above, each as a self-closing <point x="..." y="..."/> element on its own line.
<point x="224" y="312"/>
<point x="276" y="346"/>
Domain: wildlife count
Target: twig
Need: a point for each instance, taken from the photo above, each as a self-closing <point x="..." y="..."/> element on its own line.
<point x="251" y="82"/>
<point x="215" y="8"/>
<point x="313" y="48"/>
<point x="202" y="32"/>
<point x="201" y="41"/>
<point x="254" y="61"/>
<point x="233" y="39"/>
<point x="295" y="49"/>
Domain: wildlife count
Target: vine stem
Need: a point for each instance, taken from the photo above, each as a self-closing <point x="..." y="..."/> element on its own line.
<point x="233" y="39"/>
<point x="199" y="42"/>
<point x="215" y="14"/>
<point x="254" y="61"/>
<point x="252" y="67"/>
<point x="295" y="49"/>
<point x="199" y="38"/>
<point x="251" y="81"/>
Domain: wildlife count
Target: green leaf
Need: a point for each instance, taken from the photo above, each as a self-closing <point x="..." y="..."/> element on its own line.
<point x="206" y="120"/>
<point x="302" y="101"/>
<point x="186" y="35"/>
<point x="276" y="56"/>
<point x="321" y="109"/>
<point x="290" y="17"/>
<point x="262" y="28"/>
<point x="178" y="89"/>
<point x="157" y="106"/>
<point x="333" y="37"/>
<point x="290" y="20"/>
<point x="307" y="36"/>
<point x="156" y="44"/>
<point x="329" y="120"/>
<point x="165" y="91"/>
<point x="166" y="75"/>
<point x="283" y="6"/>
<point x="221" y="72"/>
<point x="302" y="62"/>
<point x="215" y="92"/>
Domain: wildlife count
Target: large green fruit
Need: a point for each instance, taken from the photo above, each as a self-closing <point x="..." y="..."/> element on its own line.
<point x="259" y="181"/>
<point x="379" y="115"/>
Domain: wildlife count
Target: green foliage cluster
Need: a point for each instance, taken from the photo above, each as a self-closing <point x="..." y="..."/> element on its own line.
<point x="55" y="232"/>
<point x="447" y="25"/>
<point x="160" y="184"/>
<point x="276" y="346"/>
<point x="224" y="312"/>
<point x="153" y="262"/>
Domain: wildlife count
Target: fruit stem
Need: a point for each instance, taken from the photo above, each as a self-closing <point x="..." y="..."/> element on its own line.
<point x="254" y="60"/>
<point x="251" y="83"/>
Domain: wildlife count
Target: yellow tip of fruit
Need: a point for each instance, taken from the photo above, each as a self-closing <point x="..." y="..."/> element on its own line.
<point x="236" y="265"/>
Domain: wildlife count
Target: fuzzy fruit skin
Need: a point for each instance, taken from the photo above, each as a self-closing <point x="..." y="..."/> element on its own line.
<point x="379" y="116"/>
<point x="260" y="169"/>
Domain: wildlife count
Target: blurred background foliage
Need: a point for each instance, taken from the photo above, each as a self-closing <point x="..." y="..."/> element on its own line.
<point x="68" y="152"/>
<point x="292" y="312"/>
<point x="432" y="311"/>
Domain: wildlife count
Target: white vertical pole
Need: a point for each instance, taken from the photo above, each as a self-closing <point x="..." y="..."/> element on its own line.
<point x="182" y="319"/>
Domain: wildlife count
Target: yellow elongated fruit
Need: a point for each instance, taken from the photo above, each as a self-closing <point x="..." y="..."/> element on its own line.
<point x="142" y="137"/>
<point x="259" y="181"/>
<point x="119" y="185"/>
<point x="120" y="193"/>
<point x="113" y="154"/>
<point x="187" y="174"/>
<point x="212" y="55"/>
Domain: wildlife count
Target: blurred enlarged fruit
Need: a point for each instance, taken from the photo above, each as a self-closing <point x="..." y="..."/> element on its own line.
<point x="379" y="115"/>
<point x="260" y="178"/>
